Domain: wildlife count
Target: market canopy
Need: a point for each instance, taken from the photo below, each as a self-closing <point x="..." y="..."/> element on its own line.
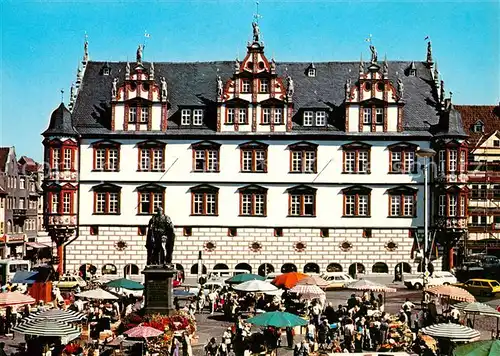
<point x="308" y="291"/>
<point x="479" y="348"/>
<point x="314" y="280"/>
<point x="25" y="277"/>
<point x="452" y="292"/>
<point x="9" y="299"/>
<point x="143" y="332"/>
<point x="278" y="319"/>
<point x="366" y="285"/>
<point x="96" y="294"/>
<point x="244" y="277"/>
<point x="454" y="332"/>
<point x="67" y="316"/>
<point x="288" y="280"/>
<point x="255" y="286"/>
<point x="477" y="308"/>
<point x="125" y="283"/>
<point x="47" y="327"/>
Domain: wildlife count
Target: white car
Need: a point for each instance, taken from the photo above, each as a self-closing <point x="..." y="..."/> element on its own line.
<point x="436" y="279"/>
<point x="337" y="280"/>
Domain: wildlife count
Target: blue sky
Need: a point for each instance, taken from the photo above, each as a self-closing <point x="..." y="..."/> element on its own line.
<point x="42" y="43"/>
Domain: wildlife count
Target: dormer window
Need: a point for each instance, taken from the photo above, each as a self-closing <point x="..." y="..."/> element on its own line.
<point x="371" y="114"/>
<point x="105" y="71"/>
<point x="478" y="126"/>
<point x="144" y="115"/>
<point x="311" y="71"/>
<point x="194" y="116"/>
<point x="264" y="85"/>
<point x="412" y="71"/>
<point x="132" y="114"/>
<point x="245" y="86"/>
<point x="320" y="118"/>
<point x="272" y="114"/>
<point x="308" y="118"/>
<point x="314" y="118"/>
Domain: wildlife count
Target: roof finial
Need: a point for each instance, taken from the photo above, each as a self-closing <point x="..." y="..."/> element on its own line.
<point x="361" y="64"/>
<point x="86" y="48"/>
<point x="256" y="32"/>
<point x="257" y="15"/>
<point x="140" y="48"/>
<point x="62" y="95"/>
<point x="152" y="71"/>
<point x="127" y="71"/>
<point x="386" y="67"/>
<point x="429" y="52"/>
<point x="451" y="95"/>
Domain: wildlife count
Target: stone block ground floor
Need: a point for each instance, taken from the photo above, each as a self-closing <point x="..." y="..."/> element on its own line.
<point x="121" y="250"/>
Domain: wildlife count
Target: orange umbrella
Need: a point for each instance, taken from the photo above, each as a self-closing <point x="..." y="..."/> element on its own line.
<point x="288" y="280"/>
<point x="452" y="292"/>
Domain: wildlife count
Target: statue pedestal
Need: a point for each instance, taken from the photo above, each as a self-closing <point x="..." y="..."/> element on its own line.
<point x="158" y="289"/>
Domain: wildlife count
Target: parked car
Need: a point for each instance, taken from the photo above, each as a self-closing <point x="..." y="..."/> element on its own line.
<point x="337" y="280"/>
<point x="478" y="286"/>
<point x="70" y="282"/>
<point x="436" y="279"/>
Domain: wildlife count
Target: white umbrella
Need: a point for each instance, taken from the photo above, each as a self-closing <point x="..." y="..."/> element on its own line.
<point x="366" y="285"/>
<point x="278" y="292"/>
<point x="308" y="291"/>
<point x="255" y="286"/>
<point x="67" y="316"/>
<point x="477" y="308"/>
<point x="454" y="332"/>
<point x="96" y="294"/>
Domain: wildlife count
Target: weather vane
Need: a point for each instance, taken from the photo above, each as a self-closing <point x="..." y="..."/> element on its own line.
<point x="62" y="95"/>
<point x="257" y="15"/>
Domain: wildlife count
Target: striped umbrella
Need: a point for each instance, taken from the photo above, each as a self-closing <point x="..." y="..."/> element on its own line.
<point x="454" y="332"/>
<point x="308" y="291"/>
<point x="365" y="284"/>
<point x="98" y="293"/>
<point x="452" y="292"/>
<point x="8" y="299"/>
<point x="67" y="316"/>
<point x="47" y="327"/>
<point x="477" y="308"/>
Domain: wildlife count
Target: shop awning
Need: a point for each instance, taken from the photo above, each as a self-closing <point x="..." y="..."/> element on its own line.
<point x="25" y="277"/>
<point x="36" y="245"/>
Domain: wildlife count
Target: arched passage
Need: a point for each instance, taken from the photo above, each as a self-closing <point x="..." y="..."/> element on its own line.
<point x="244" y="266"/>
<point x="334" y="267"/>
<point x="130" y="269"/>
<point x="356" y="268"/>
<point x="405" y="266"/>
<point x="288" y="267"/>
<point x="179" y="267"/>
<point x="380" y="267"/>
<point x="87" y="270"/>
<point x="194" y="269"/>
<point x="109" y="269"/>
<point x="265" y="269"/>
<point x="311" y="268"/>
<point x="219" y="266"/>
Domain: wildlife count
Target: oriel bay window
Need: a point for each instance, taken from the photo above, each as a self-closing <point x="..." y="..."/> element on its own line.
<point x="206" y="156"/>
<point x="402" y="158"/>
<point x="107" y="199"/>
<point x="253" y="157"/>
<point x="106" y="156"/>
<point x="151" y="156"/>
<point x="452" y="203"/>
<point x="61" y="199"/>
<point x="452" y="159"/>
<point x="151" y="197"/>
<point x="356" y="158"/>
<point x="204" y="200"/>
<point x="402" y="202"/>
<point x="301" y="201"/>
<point x="253" y="200"/>
<point x="62" y="155"/>
<point x="356" y="201"/>
<point x="303" y="157"/>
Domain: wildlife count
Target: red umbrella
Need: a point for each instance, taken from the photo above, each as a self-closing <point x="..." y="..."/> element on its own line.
<point x="143" y="332"/>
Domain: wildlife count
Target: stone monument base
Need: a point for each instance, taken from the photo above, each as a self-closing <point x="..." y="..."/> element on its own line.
<point x="158" y="289"/>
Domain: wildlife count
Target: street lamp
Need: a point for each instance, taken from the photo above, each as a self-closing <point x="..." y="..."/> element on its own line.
<point x="425" y="153"/>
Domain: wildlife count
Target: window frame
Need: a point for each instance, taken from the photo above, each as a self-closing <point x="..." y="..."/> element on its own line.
<point x="355" y="195"/>
<point x="107" y="190"/>
<point x="206" y="147"/>
<point x="264" y="85"/>
<point x="357" y="148"/>
<point x="402" y="193"/>
<point x="303" y="148"/>
<point x="299" y="194"/>
<point x="253" y="192"/>
<point x="107" y="148"/>
<point x="56" y="197"/>
<point x="404" y="150"/>
<point x="150" y="190"/>
<point x="147" y="150"/>
<point x="309" y="118"/>
<point x="246" y="86"/>
<point x="253" y="148"/>
<point x="204" y="191"/>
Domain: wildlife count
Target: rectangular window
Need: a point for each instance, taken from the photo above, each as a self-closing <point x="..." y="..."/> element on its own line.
<point x="452" y="207"/>
<point x="132" y="114"/>
<point x="462" y="206"/>
<point x="212" y="161"/>
<point x="266" y="115"/>
<point x="145" y="159"/>
<point x="22" y="183"/>
<point x="67" y="203"/>
<point x="308" y="205"/>
<point x="242" y="116"/>
<point x="246" y="204"/>
<point x="198" y="204"/>
<point x="253" y="204"/>
<point x="409" y="203"/>
<point x="278" y="115"/>
<point x="264" y="85"/>
<point x="452" y="161"/>
<point x="113" y="204"/>
<point x="185" y="117"/>
<point x="462" y="161"/>
<point x="230" y="116"/>
<point x="157" y="159"/>
<point x="144" y="203"/>
<point x="309" y="161"/>
<point x="260" y="204"/>
<point x="245" y="86"/>
<point x="197" y="117"/>
<point x="67" y="159"/>
<point x="396" y="163"/>
<point x="295" y="205"/>
<point x="362" y="161"/>
<point x="320" y="118"/>
<point x="363" y="205"/>
<point x="350" y="205"/>
<point x="199" y="160"/>
<point x="350" y="161"/>
<point x="308" y="118"/>
<point x="296" y="161"/>
<point x="247" y="161"/>
<point x="442" y="161"/>
<point x="100" y="203"/>
<point x="409" y="161"/>
<point x="144" y="115"/>
<point x="260" y="161"/>
<point x="395" y="205"/>
<point x="367" y="116"/>
<point x="157" y="201"/>
<point x="379" y="116"/>
<point x="442" y="205"/>
<point x="113" y="159"/>
<point x="356" y="161"/>
<point x="100" y="159"/>
<point x="22" y="203"/>
<point x="302" y="205"/>
<point x="356" y="205"/>
<point x="211" y="204"/>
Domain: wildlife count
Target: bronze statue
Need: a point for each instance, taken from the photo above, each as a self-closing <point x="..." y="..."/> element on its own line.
<point x="139" y="53"/>
<point x="160" y="239"/>
<point x="374" y="54"/>
<point x="256" y="32"/>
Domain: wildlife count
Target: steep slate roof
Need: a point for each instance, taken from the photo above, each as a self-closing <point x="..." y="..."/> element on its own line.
<point x="60" y="123"/>
<point x="4" y="156"/>
<point x="192" y="84"/>
<point x="489" y="115"/>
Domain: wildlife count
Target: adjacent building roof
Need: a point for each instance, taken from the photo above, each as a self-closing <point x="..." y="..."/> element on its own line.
<point x="488" y="115"/>
<point x="60" y="123"/>
<point x="4" y="156"/>
<point x="28" y="164"/>
<point x="194" y="84"/>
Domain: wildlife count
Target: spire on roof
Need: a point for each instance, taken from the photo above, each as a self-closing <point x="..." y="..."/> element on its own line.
<point x="361" y="65"/>
<point x="429" y="52"/>
<point x="79" y="75"/>
<point x="60" y="123"/>
<point x="127" y="71"/>
<point x="72" y="97"/>
<point x="152" y="71"/>
<point x="86" y="49"/>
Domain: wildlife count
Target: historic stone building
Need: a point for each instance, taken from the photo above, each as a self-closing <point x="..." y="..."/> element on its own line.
<point x="260" y="164"/>
<point x="482" y="124"/>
